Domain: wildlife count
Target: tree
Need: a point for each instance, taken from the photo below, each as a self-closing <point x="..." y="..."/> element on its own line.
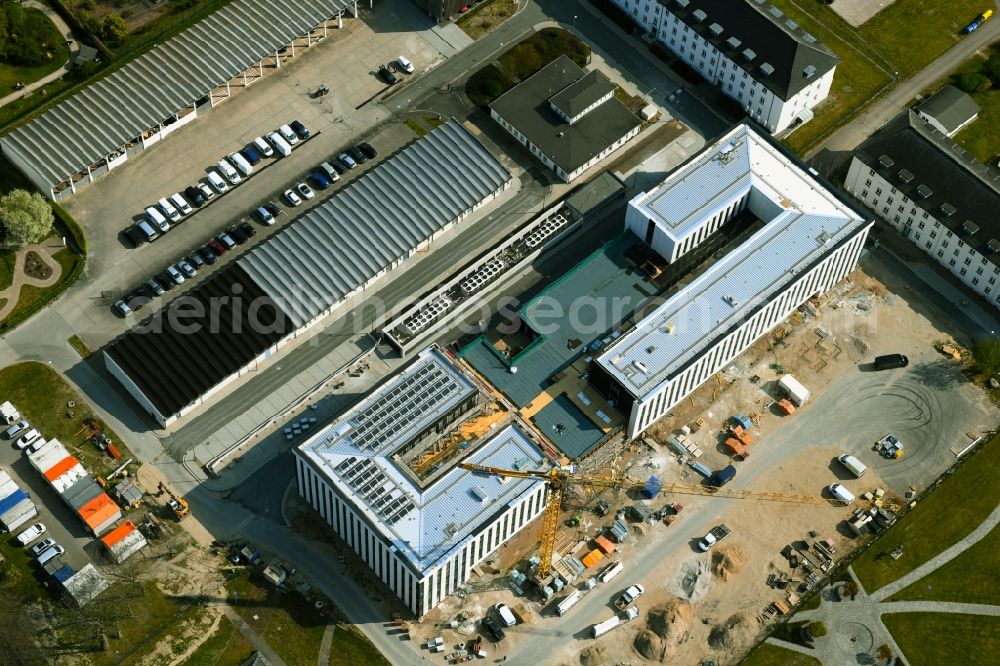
<point x="115" y="29"/>
<point x="25" y="218"/>
<point x="992" y="69"/>
<point x="987" y="356"/>
<point x="817" y="629"/>
<point x="971" y="81"/>
<point x="850" y="589"/>
<point x="493" y="88"/>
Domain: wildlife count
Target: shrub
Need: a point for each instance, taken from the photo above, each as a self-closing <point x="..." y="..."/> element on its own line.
<point x="987" y="356"/>
<point x="89" y="5"/>
<point x="817" y="629"/>
<point x="114" y="28"/>
<point x="971" y="81"/>
<point x="25" y="218"/>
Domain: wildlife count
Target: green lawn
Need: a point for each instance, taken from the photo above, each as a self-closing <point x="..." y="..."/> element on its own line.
<point x="41" y="394"/>
<point x="971" y="577"/>
<point x="226" y="647"/>
<point x="903" y="38"/>
<point x="417" y="128"/>
<point x="486" y="17"/>
<point x="933" y="639"/>
<point x="948" y="514"/>
<point x="31" y="298"/>
<point x="6" y="268"/>
<point x="982" y="137"/>
<point x="49" y="34"/>
<point x="772" y="655"/>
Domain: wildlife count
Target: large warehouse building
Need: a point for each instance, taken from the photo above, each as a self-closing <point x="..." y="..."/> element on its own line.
<point x="810" y="240"/>
<point x="223" y="328"/>
<point x="99" y="128"/>
<point x="420" y="529"/>
<point x="749" y="49"/>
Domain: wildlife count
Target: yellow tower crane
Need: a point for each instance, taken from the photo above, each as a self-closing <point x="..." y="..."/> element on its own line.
<point x="559" y="479"/>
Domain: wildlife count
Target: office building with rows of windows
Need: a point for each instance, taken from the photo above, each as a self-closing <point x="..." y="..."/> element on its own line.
<point x="936" y="194"/>
<point x="421" y="527"/>
<point x="806" y="238"/>
<point x="747" y="48"/>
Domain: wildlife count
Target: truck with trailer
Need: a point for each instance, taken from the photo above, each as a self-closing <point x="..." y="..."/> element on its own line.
<point x="795" y="391"/>
<point x="718" y="533"/>
<point x="629" y="596"/>
<point x="979" y="21"/>
<point x="604" y="627"/>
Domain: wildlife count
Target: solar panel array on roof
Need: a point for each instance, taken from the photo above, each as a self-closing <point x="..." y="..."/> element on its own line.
<point x="106" y="115"/>
<point x="331" y="251"/>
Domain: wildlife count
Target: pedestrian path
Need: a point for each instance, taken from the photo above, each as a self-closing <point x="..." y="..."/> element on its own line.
<point x="45" y="250"/>
<point x="74" y="49"/>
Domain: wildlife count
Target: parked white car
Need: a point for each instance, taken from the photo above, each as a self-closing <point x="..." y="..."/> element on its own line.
<point x="30" y="534"/>
<point x="27" y="438"/>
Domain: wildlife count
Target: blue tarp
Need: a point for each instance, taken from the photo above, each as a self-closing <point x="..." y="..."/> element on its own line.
<point x="10" y="502"/>
<point x="652" y="488"/>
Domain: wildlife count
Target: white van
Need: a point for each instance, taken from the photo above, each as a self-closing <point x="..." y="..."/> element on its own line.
<point x="229" y="172"/>
<point x="241" y="164"/>
<point x="853" y="465"/>
<point x="288" y="135"/>
<point x="180" y="203"/>
<point x="216" y="180"/>
<point x="330" y="171"/>
<point x="168" y="209"/>
<point x="263" y="146"/>
<point x="563" y="606"/>
<point x="157" y="219"/>
<point x="611" y="571"/>
<point x="147" y="229"/>
<point x="280" y="144"/>
<point x="840" y="492"/>
<point x="506" y="615"/>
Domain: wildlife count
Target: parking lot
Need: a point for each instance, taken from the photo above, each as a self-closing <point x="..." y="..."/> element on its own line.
<point x="347" y="61"/>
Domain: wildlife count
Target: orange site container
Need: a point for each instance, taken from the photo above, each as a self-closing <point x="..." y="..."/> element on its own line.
<point x="61" y="467"/>
<point x="592" y="558"/>
<point x="96" y="510"/>
<point x="605" y="544"/>
<point x="119" y="533"/>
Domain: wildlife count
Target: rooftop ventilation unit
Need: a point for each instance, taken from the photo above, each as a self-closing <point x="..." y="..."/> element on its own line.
<point x="791" y="25"/>
<point x="809" y="71"/>
<point x="809" y="38"/>
<point x="683" y="3"/>
<point x="699" y="15"/>
<point x="650" y="349"/>
<point x="886" y="161"/>
<point x="729" y="298"/>
<point x="715" y="29"/>
<point x="749" y="55"/>
<point x="767" y="68"/>
<point x="924" y="191"/>
<point x="905" y="176"/>
<point x="948" y="210"/>
<point x="733" y="43"/>
<point x="970" y="227"/>
<point x="994" y="245"/>
<point x="640" y="366"/>
<point x="775" y="12"/>
<point x="479" y="494"/>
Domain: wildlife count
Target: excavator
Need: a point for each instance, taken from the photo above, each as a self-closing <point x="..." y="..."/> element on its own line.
<point x="178" y="505"/>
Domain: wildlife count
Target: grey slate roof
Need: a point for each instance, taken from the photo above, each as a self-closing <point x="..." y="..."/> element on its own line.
<point x="526" y="107"/>
<point x="762" y="30"/>
<point x="953" y="175"/>
<point x="105" y="115"/>
<point x="949" y="106"/>
<point x="577" y="96"/>
<point x="382" y="216"/>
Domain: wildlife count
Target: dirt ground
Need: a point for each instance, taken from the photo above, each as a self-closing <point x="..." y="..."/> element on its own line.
<point x="828" y="347"/>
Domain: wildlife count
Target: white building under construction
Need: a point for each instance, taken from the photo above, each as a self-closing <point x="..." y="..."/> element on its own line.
<point x="420" y="529"/>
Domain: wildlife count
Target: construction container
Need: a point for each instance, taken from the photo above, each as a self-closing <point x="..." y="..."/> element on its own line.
<point x="12" y="500"/>
<point x="44" y="457"/>
<point x="63" y="574"/>
<point x="605" y="544"/>
<point x="60" y="468"/>
<point x="743" y="421"/>
<point x="70" y="478"/>
<point x="592" y="558"/>
<point x="18" y="514"/>
<point x="651" y="488"/>
<point x="100" y="514"/>
<point x="786" y="406"/>
<point x="81" y="492"/>
<point x="795" y="391"/>
<point x="123" y="541"/>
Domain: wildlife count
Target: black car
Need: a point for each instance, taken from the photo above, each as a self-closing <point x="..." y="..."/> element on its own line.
<point x="299" y="129"/>
<point x="357" y="154"/>
<point x="194" y="195"/>
<point x="387" y="75"/>
<point x="338" y="166"/>
<point x="154" y="287"/>
<point x="493" y="629"/>
<point x="195" y="260"/>
<point x="165" y="281"/>
<point x="137" y="300"/>
<point x="367" y="149"/>
<point x="273" y="208"/>
<point x="237" y="235"/>
<point x="207" y="254"/>
<point x="135" y="236"/>
<point x="247" y="229"/>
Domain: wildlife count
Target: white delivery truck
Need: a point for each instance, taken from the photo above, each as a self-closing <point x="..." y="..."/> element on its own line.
<point x="602" y="628"/>
<point x="573" y="599"/>
<point x="795" y="391"/>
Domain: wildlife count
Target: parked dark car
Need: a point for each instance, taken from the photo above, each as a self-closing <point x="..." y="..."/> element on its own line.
<point x="196" y="260"/>
<point x="493" y="629"/>
<point x="247" y="229"/>
<point x="387" y="75"/>
<point x="338" y="166"/>
<point x="154" y="286"/>
<point x="273" y="208"/>
<point x="218" y="247"/>
<point x="251" y="155"/>
<point x="357" y="154"/>
<point x="135" y="236"/>
<point x="138" y="299"/>
<point x="299" y="129"/>
<point x="165" y="281"/>
<point x="237" y="235"/>
<point x="195" y="196"/>
<point x="367" y="149"/>
<point x="208" y="255"/>
<point x="319" y="178"/>
<point x="891" y="362"/>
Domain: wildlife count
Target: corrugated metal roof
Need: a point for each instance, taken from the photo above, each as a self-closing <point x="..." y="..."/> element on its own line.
<point x="105" y="115"/>
<point x="804" y="220"/>
<point x="381" y="217"/>
<point x="448" y="511"/>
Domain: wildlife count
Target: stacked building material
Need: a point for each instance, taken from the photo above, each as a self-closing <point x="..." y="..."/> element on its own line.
<point x="77" y="488"/>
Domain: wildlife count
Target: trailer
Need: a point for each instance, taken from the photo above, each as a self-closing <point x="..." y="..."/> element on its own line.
<point x="602" y="628"/>
<point x="795" y="391"/>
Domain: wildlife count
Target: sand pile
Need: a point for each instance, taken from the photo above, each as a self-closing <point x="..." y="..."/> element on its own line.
<point x="731" y="634"/>
<point x="595" y="655"/>
<point x="669" y="621"/>
<point x="728" y="561"/>
<point x="650" y="646"/>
